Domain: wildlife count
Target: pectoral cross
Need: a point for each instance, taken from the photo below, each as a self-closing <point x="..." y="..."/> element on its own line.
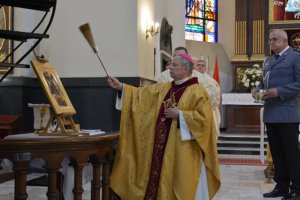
<point x="168" y="103"/>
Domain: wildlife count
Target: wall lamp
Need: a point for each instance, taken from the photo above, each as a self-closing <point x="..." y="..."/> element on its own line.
<point x="151" y="29"/>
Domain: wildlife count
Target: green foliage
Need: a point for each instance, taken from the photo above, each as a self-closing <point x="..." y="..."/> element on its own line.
<point x="240" y="88"/>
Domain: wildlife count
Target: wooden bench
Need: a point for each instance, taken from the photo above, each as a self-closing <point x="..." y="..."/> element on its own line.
<point x="9" y="125"/>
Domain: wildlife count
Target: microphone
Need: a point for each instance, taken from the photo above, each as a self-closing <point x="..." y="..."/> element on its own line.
<point x="87" y="33"/>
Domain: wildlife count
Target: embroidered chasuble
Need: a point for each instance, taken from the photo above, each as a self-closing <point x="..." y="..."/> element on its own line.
<point x="152" y="161"/>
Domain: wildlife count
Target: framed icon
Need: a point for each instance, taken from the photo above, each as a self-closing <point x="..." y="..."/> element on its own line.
<point x="284" y="11"/>
<point x="53" y="88"/>
<point x="6" y="23"/>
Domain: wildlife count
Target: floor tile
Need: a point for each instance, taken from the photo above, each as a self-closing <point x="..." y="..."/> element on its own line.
<point x="239" y="182"/>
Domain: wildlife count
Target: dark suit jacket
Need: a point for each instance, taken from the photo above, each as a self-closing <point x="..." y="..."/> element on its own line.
<point x="285" y="76"/>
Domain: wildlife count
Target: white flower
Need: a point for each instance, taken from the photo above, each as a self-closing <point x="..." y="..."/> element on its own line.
<point x="243" y="80"/>
<point x="251" y="77"/>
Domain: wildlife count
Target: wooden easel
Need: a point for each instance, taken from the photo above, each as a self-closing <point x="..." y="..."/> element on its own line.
<point x="62" y="120"/>
<point x="61" y="106"/>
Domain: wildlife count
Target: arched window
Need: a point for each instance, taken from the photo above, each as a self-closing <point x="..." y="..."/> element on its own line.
<point x="201" y="20"/>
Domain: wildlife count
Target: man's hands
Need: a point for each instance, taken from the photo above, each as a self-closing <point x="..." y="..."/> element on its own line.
<point x="272" y="92"/>
<point x="172" y="112"/>
<point x="114" y="83"/>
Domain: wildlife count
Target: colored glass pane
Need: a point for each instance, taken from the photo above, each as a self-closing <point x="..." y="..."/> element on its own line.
<point x="201" y="20"/>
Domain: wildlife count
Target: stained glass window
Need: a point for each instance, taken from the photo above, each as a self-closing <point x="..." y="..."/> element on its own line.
<point x="201" y="20"/>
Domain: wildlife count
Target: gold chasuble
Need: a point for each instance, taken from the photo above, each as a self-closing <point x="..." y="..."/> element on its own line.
<point x="152" y="161"/>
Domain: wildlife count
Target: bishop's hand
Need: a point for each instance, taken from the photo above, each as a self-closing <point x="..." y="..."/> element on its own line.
<point x="114" y="83"/>
<point x="172" y="112"/>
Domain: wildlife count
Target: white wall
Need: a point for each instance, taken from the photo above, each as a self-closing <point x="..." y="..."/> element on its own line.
<point x="226" y="37"/>
<point x="176" y="18"/>
<point x="115" y="31"/>
<point x="145" y="47"/>
<point x="174" y="12"/>
<point x="119" y="31"/>
<point x="226" y="34"/>
<point x="160" y="13"/>
<point x="156" y="10"/>
<point x="25" y="20"/>
<point x="209" y="52"/>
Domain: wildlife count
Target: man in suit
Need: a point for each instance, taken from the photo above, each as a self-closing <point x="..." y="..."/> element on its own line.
<point x="282" y="114"/>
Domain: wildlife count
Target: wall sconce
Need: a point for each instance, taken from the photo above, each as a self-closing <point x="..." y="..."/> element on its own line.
<point x="151" y="29"/>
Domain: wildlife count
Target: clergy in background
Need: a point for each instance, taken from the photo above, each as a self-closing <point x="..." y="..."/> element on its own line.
<point x="167" y="146"/>
<point x="212" y="87"/>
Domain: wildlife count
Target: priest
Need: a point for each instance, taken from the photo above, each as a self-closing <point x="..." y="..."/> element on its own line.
<point x="167" y="146"/>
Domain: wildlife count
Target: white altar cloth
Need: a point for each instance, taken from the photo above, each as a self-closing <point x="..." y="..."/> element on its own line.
<point x="27" y="136"/>
<point x="238" y="99"/>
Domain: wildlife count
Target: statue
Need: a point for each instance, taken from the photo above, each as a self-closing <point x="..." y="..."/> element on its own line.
<point x="165" y="42"/>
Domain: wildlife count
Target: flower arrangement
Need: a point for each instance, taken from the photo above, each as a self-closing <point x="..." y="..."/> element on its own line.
<point x="249" y="78"/>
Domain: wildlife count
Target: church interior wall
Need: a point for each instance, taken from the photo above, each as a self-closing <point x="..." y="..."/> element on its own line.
<point x="114" y="29"/>
<point x="223" y="50"/>
<point x="226" y="26"/>
<point x="119" y="32"/>
<point x="226" y="39"/>
<point x="24" y="20"/>
<point x="209" y="52"/>
<point x="145" y="53"/>
<point x="176" y="17"/>
<point x="149" y="50"/>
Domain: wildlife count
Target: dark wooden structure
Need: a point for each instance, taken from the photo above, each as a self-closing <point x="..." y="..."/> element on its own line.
<point x="250" y="34"/>
<point x="243" y="118"/>
<point x="253" y="22"/>
<point x="9" y="125"/>
<point x="98" y="150"/>
<point x="92" y="98"/>
<point x="250" y="27"/>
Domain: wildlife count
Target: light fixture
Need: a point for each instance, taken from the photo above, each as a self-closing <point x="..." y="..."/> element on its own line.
<point x="151" y="29"/>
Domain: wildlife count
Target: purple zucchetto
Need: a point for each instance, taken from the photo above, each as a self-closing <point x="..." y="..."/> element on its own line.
<point x="187" y="57"/>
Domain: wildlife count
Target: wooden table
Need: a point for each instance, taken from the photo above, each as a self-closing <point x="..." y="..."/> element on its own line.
<point x="241" y="112"/>
<point x="98" y="150"/>
<point x="243" y="118"/>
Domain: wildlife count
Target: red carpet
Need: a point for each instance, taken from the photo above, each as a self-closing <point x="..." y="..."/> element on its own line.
<point x="239" y="161"/>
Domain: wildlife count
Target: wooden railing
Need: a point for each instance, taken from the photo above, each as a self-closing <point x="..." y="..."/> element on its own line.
<point x="97" y="150"/>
